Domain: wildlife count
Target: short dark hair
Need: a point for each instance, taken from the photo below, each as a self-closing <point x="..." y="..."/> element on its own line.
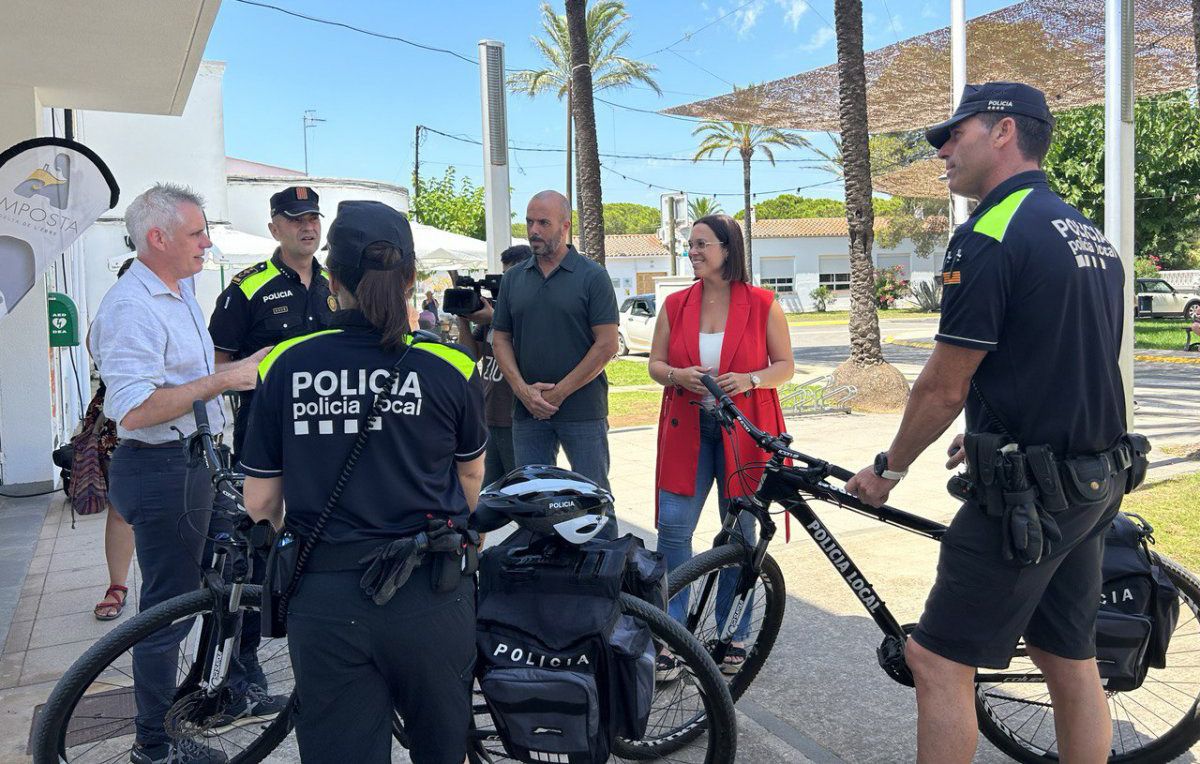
<point x="518" y="253"/>
<point x="382" y="296"/>
<point x="729" y="233"/>
<point x="1033" y="135"/>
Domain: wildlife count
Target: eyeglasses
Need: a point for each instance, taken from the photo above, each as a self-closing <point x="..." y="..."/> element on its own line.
<point x="702" y="244"/>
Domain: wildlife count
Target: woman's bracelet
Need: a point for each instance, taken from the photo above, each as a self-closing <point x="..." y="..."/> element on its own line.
<point x="671" y="377"/>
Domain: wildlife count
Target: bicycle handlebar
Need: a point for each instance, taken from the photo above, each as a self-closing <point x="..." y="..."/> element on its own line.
<point x="777" y="444"/>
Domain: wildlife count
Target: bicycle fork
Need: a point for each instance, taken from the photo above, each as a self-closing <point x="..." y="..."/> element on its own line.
<point x="221" y="631"/>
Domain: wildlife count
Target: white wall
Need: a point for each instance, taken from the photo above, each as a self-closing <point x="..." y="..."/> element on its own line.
<point x="250" y="198"/>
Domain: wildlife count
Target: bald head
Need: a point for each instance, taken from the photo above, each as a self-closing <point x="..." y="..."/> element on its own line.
<point x="548" y="223"/>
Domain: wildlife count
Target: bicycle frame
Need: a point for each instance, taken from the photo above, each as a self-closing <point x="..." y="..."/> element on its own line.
<point x="789" y="487"/>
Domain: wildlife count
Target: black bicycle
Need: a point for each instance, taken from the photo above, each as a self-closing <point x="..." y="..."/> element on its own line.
<point x="736" y="597"/>
<point x="91" y="713"/>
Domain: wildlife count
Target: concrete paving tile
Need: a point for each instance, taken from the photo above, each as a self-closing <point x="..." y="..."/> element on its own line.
<point x="39" y="564"/>
<point x="69" y="541"/>
<point x="33" y="584"/>
<point x="27" y="608"/>
<point x="49" y="533"/>
<point x="79" y="601"/>
<point x="10" y="669"/>
<point x="48" y="663"/>
<point x="48" y="631"/>
<point x="44" y="547"/>
<point x="18" y="637"/>
<point x="16" y="718"/>
<point x="77" y="578"/>
<point x="82" y="558"/>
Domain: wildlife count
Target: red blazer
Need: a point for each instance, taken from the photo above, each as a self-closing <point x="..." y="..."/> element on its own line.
<point x="744" y="349"/>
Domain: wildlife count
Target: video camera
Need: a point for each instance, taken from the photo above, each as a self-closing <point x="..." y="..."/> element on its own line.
<point x="466" y="296"/>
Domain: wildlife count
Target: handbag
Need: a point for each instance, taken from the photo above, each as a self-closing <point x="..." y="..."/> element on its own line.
<point x="290" y="552"/>
<point x="89" y="481"/>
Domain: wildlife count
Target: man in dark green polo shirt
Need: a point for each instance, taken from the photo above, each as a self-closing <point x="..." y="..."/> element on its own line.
<point x="554" y="329"/>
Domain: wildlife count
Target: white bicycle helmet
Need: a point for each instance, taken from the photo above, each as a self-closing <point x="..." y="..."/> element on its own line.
<point x="546" y="501"/>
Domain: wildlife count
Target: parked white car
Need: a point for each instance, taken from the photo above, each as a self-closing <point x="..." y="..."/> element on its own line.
<point x="635" y="329"/>
<point x="1156" y="297"/>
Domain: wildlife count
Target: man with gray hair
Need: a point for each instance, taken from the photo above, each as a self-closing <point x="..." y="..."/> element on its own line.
<point x="154" y="353"/>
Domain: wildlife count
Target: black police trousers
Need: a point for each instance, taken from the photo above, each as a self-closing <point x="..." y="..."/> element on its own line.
<point x="356" y="661"/>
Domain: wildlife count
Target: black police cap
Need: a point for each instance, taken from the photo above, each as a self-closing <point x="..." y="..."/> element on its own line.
<point x="295" y="201"/>
<point x="993" y="98"/>
<point x="358" y="225"/>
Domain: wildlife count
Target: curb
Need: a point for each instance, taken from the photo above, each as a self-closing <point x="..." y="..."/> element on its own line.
<point x="1145" y="357"/>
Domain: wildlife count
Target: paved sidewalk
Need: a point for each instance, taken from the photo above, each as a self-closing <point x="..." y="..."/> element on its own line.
<point x="822" y="697"/>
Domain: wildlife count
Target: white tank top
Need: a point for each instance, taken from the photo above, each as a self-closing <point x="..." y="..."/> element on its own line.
<point x="710" y="357"/>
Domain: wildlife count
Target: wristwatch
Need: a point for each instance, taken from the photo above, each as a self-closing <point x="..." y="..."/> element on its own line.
<point x="881" y="468"/>
<point x="755" y="380"/>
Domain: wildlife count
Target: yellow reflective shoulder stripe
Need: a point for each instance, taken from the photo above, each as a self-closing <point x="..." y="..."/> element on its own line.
<point x="995" y="221"/>
<point x="251" y="284"/>
<point x="456" y="358"/>
<point x="265" y="365"/>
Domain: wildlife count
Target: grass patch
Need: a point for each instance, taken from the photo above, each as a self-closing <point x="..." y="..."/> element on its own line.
<point x="625" y="373"/>
<point x="843" y="316"/>
<point x="1170" y="506"/>
<point x="638" y="407"/>
<point x="1160" y="333"/>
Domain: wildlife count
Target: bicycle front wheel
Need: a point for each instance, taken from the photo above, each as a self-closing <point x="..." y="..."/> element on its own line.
<point x="1157" y="722"/>
<point x="91" y="713"/>
<point x="702" y="578"/>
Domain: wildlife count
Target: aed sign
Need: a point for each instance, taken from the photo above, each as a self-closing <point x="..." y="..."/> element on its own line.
<point x="64" y="321"/>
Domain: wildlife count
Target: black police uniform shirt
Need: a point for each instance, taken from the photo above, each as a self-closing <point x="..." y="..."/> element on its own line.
<point x="1033" y="282"/>
<point x="313" y="395"/>
<point x="264" y="305"/>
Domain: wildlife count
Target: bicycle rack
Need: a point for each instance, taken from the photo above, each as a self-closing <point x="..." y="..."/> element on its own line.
<point x="819" y="395"/>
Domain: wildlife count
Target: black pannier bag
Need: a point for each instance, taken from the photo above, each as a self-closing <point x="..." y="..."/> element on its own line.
<point x="563" y="671"/>
<point x="1139" y="607"/>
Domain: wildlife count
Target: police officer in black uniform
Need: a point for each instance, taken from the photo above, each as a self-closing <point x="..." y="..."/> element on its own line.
<point x="421" y="466"/>
<point x="1029" y="337"/>
<point x="283" y="297"/>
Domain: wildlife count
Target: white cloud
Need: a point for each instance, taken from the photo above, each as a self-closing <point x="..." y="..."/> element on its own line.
<point x="793" y="10"/>
<point x="819" y="39"/>
<point x="746" y="18"/>
<point x="928" y="12"/>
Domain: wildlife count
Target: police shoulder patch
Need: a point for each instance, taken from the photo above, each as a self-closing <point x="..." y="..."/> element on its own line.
<point x="248" y="272"/>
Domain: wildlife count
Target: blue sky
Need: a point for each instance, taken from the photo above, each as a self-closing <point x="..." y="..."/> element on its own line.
<point x="374" y="92"/>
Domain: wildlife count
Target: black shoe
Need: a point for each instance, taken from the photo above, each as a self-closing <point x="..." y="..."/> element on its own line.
<point x="667" y="668"/>
<point x="254" y="705"/>
<point x="186" y="751"/>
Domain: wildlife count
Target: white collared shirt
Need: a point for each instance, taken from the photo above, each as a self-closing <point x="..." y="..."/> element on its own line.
<point x="145" y="337"/>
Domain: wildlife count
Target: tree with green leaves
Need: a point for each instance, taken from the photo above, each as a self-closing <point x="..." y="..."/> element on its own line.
<point x="451" y="204"/>
<point x="745" y="139"/>
<point x="626" y="217"/>
<point x="703" y="206"/>
<point x="611" y="68"/>
<point x="788" y="206"/>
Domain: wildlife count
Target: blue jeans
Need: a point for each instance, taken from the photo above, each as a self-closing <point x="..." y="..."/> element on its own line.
<point x="536" y="441"/>
<point x="677" y="519"/>
<point x="147" y="486"/>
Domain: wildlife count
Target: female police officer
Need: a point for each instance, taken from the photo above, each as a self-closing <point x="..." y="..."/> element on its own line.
<point x="421" y="465"/>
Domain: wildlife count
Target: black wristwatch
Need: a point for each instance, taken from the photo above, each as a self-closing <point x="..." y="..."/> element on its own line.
<point x="881" y="468"/>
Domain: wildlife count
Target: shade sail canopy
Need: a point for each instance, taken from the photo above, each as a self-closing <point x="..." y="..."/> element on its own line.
<point x="1055" y="45"/>
<point x="919" y="180"/>
<point x="439" y="250"/>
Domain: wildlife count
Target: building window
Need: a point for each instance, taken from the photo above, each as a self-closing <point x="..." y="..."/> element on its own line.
<point x="780" y="285"/>
<point x="835" y="281"/>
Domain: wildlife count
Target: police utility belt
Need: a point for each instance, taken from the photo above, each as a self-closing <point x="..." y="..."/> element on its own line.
<point x="1026" y="487"/>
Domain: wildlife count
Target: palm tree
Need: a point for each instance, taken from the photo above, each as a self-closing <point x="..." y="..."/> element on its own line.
<point x="745" y="139"/>
<point x="865" y="349"/>
<point x="610" y="69"/>
<point x="703" y="206"/>
<point x="591" y="201"/>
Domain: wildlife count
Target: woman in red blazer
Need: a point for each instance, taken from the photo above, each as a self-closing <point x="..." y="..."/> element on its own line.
<point x="738" y="334"/>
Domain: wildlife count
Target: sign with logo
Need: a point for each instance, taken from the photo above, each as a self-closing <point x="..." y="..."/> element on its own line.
<point x="51" y="190"/>
<point x="63" y="317"/>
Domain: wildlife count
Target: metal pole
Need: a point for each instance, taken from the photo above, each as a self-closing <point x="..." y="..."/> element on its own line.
<point x="958" y="81"/>
<point x="671" y="225"/>
<point x="496" y="201"/>
<point x="416" y="190"/>
<point x="1118" y="165"/>
<point x="304" y="127"/>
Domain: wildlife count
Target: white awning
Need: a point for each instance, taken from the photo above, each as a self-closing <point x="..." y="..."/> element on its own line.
<point x="439" y="250"/>
<point x="233" y="248"/>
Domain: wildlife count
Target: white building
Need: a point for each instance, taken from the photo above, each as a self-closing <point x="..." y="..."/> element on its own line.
<point x="40" y="387"/>
<point x="792" y="256"/>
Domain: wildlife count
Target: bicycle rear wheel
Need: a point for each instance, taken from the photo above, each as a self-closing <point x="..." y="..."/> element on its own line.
<point x="1154" y="723"/>
<point x="89" y="717"/>
<point x="692" y="719"/>
<point x="764" y="617"/>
